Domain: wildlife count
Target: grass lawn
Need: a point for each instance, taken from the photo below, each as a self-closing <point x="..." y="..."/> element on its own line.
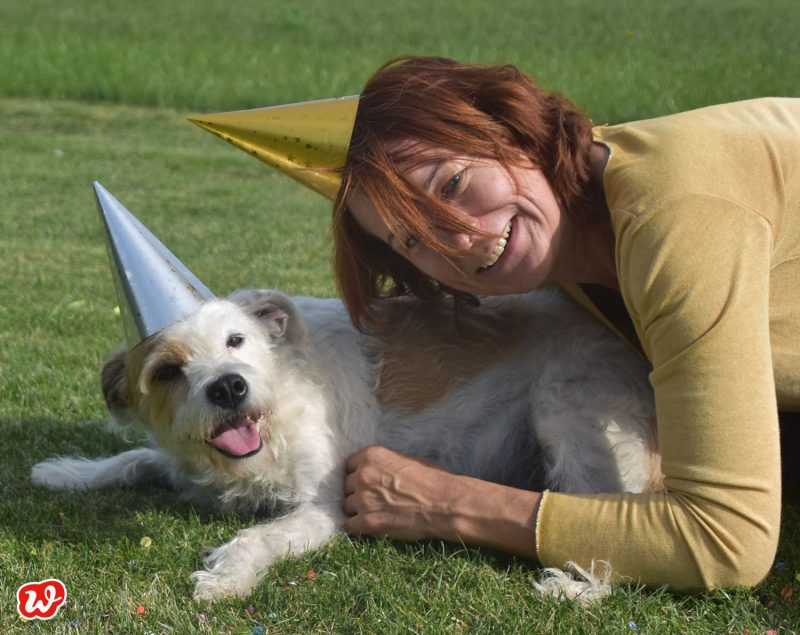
<point x="100" y="90"/>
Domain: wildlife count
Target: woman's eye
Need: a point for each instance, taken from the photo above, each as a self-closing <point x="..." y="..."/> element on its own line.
<point x="452" y="184"/>
<point x="168" y="372"/>
<point x="411" y="242"/>
<point x="235" y="341"/>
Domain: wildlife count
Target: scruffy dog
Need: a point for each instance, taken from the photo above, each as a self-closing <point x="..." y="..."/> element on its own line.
<point x="254" y="403"/>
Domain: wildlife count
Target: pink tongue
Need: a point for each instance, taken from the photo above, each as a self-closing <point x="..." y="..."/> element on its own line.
<point x="238" y="437"/>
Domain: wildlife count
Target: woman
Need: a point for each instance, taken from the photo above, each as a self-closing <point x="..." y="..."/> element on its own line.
<point x="681" y="233"/>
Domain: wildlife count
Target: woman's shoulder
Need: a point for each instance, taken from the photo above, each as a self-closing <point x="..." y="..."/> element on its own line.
<point x="726" y="150"/>
<point x="761" y="114"/>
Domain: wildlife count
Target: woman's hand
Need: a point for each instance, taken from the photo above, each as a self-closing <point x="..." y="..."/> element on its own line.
<point x="387" y="493"/>
<point x="396" y="495"/>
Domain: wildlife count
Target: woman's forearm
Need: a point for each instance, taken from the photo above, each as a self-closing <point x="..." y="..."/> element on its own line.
<point x="495" y="516"/>
<point x="406" y="498"/>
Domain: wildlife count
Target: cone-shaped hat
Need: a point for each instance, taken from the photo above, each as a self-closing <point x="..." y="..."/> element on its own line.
<point x="307" y="141"/>
<point x="154" y="288"/>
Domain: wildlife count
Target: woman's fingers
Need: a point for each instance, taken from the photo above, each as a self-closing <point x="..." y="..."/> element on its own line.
<point x="393" y="494"/>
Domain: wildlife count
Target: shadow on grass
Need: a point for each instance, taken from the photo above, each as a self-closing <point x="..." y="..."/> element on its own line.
<point x="36" y="514"/>
<point x="33" y="513"/>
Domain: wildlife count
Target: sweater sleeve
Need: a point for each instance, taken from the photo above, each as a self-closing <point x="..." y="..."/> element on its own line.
<point x="695" y="276"/>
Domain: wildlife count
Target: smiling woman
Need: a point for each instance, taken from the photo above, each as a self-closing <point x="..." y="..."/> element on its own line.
<point x="681" y="233"/>
<point x="455" y="175"/>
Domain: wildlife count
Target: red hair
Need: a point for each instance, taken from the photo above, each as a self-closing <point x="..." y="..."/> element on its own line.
<point x="489" y="112"/>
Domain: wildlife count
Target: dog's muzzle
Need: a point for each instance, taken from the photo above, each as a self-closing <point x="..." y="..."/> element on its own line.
<point x="237" y="436"/>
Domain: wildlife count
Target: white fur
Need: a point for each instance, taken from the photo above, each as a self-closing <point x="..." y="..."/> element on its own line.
<point x="570" y="410"/>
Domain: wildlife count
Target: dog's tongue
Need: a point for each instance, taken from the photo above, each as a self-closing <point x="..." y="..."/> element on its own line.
<point x="237" y="437"/>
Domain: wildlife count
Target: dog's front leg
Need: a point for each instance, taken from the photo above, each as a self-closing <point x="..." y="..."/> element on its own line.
<point x="236" y="567"/>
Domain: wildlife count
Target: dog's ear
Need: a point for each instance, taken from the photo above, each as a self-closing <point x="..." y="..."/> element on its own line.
<point x="112" y="380"/>
<point x="275" y="320"/>
<point x="275" y="311"/>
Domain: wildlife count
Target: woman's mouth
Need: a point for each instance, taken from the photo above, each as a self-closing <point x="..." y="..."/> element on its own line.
<point x="499" y="248"/>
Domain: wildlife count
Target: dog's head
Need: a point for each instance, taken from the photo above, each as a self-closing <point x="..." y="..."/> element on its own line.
<point x="204" y="387"/>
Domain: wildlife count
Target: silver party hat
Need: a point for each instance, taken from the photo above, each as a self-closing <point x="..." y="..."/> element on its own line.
<point x="154" y="288"/>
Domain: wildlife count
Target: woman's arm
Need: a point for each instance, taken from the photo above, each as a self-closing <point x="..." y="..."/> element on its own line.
<point x="410" y="499"/>
<point x="696" y="276"/>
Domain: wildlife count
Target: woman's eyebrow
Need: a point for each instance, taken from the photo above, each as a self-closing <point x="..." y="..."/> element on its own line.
<point x="433" y="173"/>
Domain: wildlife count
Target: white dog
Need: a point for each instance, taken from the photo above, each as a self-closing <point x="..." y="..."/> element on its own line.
<point x="255" y="402"/>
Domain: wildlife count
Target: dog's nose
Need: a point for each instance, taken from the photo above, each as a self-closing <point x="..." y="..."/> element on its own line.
<point x="229" y="391"/>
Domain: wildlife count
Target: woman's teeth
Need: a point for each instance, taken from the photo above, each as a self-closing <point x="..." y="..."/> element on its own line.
<point x="499" y="248"/>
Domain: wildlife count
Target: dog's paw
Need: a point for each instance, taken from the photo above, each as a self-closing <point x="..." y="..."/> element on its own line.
<point x="578" y="584"/>
<point x="211" y="587"/>
<point x="62" y="473"/>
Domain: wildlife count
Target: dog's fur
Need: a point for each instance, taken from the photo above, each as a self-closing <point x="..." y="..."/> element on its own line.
<point x="527" y="391"/>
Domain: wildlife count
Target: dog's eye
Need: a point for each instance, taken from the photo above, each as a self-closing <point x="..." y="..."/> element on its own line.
<point x="235" y="341"/>
<point x="168" y="372"/>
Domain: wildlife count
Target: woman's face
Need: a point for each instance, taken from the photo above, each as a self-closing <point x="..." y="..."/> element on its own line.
<point x="517" y="207"/>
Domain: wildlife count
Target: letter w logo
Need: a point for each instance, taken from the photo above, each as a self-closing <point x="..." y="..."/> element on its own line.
<point x="41" y="600"/>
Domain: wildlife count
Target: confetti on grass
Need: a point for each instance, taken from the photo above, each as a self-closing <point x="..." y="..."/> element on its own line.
<point x="140" y="610"/>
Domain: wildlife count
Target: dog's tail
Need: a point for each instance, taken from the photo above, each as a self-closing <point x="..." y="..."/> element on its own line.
<point x="576" y="583"/>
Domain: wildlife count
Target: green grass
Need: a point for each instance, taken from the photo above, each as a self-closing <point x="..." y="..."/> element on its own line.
<point x="619" y="58"/>
<point x="100" y="90"/>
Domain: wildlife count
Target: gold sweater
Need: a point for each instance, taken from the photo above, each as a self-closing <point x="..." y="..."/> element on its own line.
<point x="705" y="207"/>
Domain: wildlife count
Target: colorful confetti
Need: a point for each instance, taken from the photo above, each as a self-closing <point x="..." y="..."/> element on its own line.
<point x="146" y="542"/>
<point x="257" y="630"/>
<point x="780" y="566"/>
<point x="140" y="610"/>
<point x="311" y="574"/>
<point x="633" y="626"/>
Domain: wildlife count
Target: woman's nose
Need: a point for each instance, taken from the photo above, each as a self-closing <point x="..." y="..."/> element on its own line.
<point x="462" y="241"/>
<point x="465" y="239"/>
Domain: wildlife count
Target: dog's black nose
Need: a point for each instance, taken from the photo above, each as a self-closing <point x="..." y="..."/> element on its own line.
<point x="229" y="391"/>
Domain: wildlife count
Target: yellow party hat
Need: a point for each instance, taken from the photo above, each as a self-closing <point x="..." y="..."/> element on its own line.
<point x="308" y="141"/>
